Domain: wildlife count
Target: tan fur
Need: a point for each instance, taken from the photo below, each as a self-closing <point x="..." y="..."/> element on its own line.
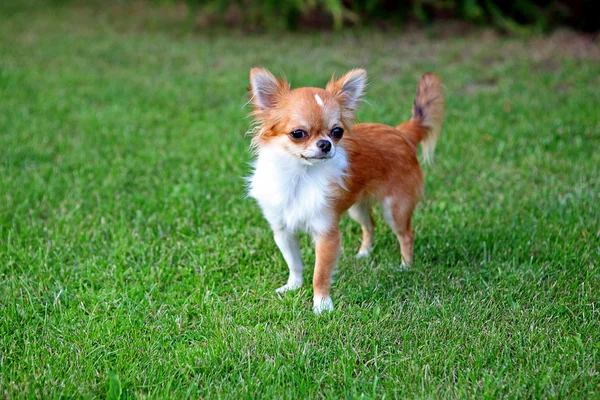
<point x="428" y="113"/>
<point x="361" y="213"/>
<point x="327" y="251"/>
<point x="382" y="160"/>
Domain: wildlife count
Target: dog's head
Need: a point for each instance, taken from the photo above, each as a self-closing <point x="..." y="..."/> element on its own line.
<point x="308" y="123"/>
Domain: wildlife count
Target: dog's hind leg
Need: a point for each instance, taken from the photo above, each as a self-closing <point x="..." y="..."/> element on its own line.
<point x="361" y="213"/>
<point x="398" y="213"/>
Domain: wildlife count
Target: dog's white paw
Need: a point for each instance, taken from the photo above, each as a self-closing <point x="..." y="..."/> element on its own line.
<point x="290" y="285"/>
<point x="321" y="304"/>
<point x="363" y="253"/>
<point x="404" y="266"/>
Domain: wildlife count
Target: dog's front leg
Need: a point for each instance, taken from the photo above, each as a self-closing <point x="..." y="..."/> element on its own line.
<point x="288" y="245"/>
<point x="327" y="249"/>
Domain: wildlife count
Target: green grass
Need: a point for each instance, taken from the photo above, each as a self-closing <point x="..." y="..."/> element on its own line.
<point x="132" y="263"/>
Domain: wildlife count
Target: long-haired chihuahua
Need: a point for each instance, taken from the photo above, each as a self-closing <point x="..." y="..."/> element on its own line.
<point x="314" y="164"/>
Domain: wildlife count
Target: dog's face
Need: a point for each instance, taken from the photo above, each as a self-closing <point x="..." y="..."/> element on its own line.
<point x="311" y="124"/>
<point x="308" y="123"/>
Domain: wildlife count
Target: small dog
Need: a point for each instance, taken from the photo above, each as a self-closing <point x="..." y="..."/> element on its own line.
<point x="313" y="164"/>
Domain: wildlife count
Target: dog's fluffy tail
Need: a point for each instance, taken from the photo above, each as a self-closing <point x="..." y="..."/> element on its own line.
<point x="425" y="123"/>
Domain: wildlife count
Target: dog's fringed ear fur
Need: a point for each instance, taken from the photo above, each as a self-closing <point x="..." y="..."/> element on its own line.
<point x="349" y="89"/>
<point x="266" y="90"/>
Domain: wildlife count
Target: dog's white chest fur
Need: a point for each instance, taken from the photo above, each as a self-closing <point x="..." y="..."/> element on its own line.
<point x="294" y="195"/>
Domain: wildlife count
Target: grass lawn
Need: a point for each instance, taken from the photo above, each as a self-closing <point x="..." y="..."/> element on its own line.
<point x="131" y="261"/>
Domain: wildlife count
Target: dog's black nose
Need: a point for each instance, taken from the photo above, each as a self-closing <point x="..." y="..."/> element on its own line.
<point x="324" y="145"/>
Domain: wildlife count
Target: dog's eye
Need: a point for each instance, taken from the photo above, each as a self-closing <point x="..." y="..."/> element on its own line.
<point x="298" y="134"/>
<point x="337" y="133"/>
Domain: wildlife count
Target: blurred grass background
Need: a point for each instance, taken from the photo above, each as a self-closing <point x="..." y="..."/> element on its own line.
<point x="521" y="17"/>
<point x="511" y="16"/>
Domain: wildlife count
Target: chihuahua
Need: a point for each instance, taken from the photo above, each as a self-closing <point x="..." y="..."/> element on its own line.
<point x="314" y="164"/>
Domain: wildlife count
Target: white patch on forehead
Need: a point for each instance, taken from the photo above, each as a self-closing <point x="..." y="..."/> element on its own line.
<point x="319" y="100"/>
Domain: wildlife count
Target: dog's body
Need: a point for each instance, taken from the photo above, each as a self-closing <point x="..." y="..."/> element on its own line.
<point x="308" y="173"/>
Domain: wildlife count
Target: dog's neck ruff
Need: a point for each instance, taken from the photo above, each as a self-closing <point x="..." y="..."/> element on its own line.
<point x="296" y="196"/>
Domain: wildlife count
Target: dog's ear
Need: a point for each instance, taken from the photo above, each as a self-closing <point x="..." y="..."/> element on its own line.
<point x="266" y="89"/>
<point x="349" y="88"/>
